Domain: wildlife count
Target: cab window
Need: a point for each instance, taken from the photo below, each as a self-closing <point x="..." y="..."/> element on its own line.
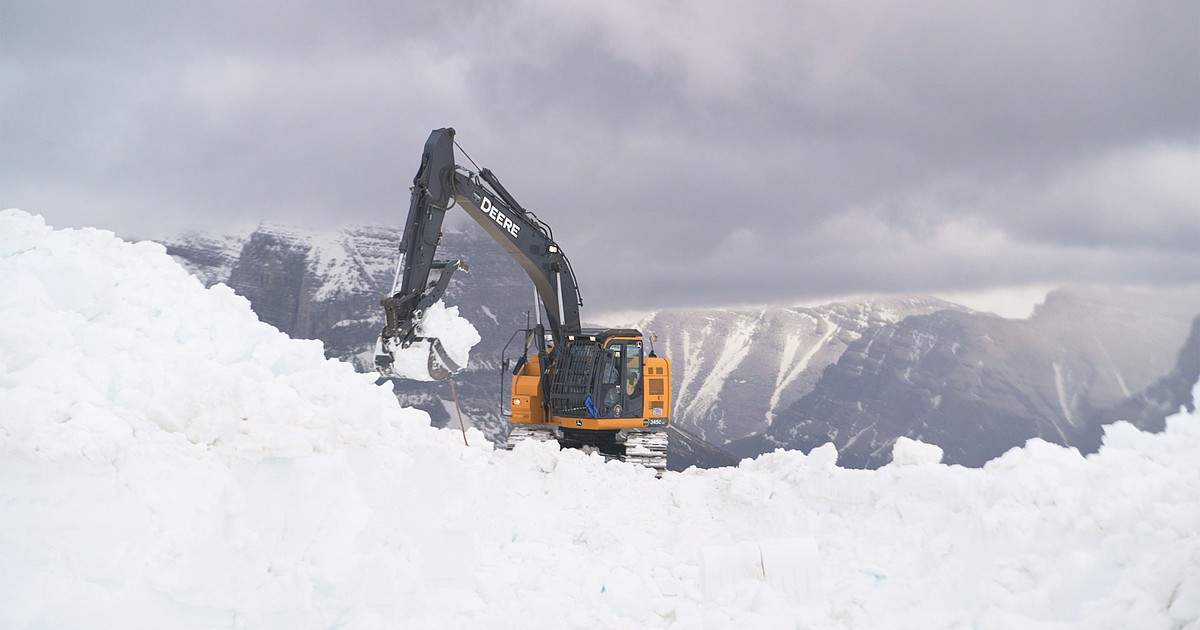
<point x="633" y="368"/>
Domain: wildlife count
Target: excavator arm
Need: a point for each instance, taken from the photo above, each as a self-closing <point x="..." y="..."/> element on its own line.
<point x="421" y="280"/>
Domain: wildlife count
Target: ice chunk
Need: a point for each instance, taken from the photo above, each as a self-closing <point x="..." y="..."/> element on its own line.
<point x="908" y="452"/>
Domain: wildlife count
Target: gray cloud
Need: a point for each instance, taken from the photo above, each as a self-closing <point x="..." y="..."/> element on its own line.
<point x="754" y="154"/>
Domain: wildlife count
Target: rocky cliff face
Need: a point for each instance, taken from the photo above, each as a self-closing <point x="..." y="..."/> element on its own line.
<point x="309" y="286"/>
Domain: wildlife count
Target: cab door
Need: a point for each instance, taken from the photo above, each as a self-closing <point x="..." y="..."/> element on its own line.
<point x="632" y="385"/>
<point x="619" y="382"/>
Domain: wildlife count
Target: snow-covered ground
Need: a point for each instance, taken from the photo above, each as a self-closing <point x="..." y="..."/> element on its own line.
<point x="166" y="460"/>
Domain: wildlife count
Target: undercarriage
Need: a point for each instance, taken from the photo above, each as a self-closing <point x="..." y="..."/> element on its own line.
<point x="643" y="447"/>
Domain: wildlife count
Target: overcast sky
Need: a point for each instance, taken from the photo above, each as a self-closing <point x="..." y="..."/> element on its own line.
<point x="685" y="153"/>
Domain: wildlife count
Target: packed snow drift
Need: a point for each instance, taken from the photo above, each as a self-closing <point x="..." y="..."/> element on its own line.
<point x="166" y="460"/>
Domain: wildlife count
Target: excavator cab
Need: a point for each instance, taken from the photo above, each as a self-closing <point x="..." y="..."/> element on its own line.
<point x="590" y="376"/>
<point x="619" y="379"/>
<point x="601" y="392"/>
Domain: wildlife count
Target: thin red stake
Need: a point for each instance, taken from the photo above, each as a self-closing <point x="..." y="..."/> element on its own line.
<point x="457" y="409"/>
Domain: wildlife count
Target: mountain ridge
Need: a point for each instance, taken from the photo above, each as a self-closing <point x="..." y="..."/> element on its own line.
<point x="746" y="380"/>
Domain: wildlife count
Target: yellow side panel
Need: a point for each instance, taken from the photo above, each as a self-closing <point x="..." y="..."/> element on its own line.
<point x="527" y="407"/>
<point x="658" y="388"/>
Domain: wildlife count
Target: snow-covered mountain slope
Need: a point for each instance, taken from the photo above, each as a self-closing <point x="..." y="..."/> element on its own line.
<point x="210" y="257"/>
<point x="310" y="285"/>
<point x="1147" y="409"/>
<point x="977" y="385"/>
<point x="734" y="370"/>
<point x="170" y="461"/>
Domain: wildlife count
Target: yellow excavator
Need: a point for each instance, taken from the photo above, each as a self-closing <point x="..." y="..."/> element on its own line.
<point x="601" y="390"/>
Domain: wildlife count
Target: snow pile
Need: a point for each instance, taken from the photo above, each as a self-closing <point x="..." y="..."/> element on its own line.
<point x="167" y="460"/>
<point x="117" y="339"/>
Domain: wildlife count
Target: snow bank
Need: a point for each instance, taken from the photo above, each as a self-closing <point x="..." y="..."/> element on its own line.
<point x="168" y="460"/>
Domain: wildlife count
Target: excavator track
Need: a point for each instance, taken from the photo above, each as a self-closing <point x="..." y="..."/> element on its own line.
<point x="644" y="448"/>
<point x="647" y="448"/>
<point x="523" y="433"/>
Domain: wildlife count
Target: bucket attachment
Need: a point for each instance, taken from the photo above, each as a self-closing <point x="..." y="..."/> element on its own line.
<point x="441" y="366"/>
<point x="425" y="359"/>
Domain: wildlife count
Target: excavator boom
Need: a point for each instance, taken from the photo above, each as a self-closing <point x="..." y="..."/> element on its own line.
<point x="421" y="280"/>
